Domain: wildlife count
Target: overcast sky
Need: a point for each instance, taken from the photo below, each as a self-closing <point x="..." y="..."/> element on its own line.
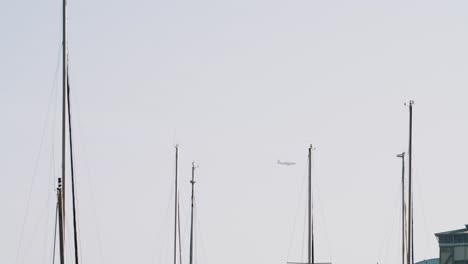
<point x="238" y="85"/>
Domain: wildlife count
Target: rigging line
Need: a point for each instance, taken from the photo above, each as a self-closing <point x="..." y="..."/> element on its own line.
<point x="186" y="229"/>
<point x="51" y="177"/>
<point x="322" y="216"/>
<point x="98" y="233"/>
<point x="178" y="227"/>
<point x="79" y="239"/>
<point x="36" y="166"/>
<point x="42" y="217"/>
<point x="202" y="240"/>
<point x="91" y="191"/>
<point x="78" y="228"/>
<point x="393" y="233"/>
<point x="61" y="227"/>
<point x="404" y="241"/>
<point x="159" y="233"/>
<point x="162" y="244"/>
<point x="315" y="208"/>
<point x="45" y="230"/>
<point x="53" y="165"/>
<point x="68" y="246"/>
<point x="97" y="225"/>
<point x="419" y="197"/>
<point x="405" y="233"/>
<point x="75" y="231"/>
<point x="387" y="235"/>
<point x="162" y="232"/>
<point x="164" y="225"/>
<point x="199" y="256"/>
<point x="299" y="205"/>
<point x="305" y="237"/>
<point x="303" y="233"/>
<point x="53" y="172"/>
<point x="318" y="209"/>
<point x="185" y="215"/>
<point x="55" y="234"/>
<point x="197" y="236"/>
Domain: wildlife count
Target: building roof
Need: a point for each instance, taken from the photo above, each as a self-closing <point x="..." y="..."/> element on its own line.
<point x="429" y="261"/>
<point x="453" y="238"/>
<point x="453" y="232"/>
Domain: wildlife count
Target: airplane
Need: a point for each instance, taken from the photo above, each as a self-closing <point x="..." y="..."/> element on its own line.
<point x="286" y="163"/>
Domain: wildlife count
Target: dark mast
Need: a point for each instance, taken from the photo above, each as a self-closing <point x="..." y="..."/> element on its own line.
<point x="61" y="181"/>
<point x="61" y="194"/>
<point x="310" y="212"/>
<point x="410" y="250"/>
<point x="311" y="220"/>
<point x="403" y="226"/>
<point x="176" y="202"/>
<point x="64" y="98"/>
<point x="178" y="229"/>
<point x="191" y="217"/>
<point x="60" y="221"/>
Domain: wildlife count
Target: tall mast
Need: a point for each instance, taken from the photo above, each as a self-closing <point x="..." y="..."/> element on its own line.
<point x="178" y="228"/>
<point x="176" y="204"/>
<point x="403" y="226"/>
<point x="75" y="230"/>
<point x="60" y="221"/>
<point x="311" y="221"/>
<point x="64" y="91"/>
<point x="410" y="252"/>
<point x="191" y="216"/>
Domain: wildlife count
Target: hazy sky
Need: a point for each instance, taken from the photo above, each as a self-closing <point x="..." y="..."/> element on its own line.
<point x="238" y="85"/>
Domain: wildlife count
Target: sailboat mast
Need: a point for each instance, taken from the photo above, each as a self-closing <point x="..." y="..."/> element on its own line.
<point x="403" y="226"/>
<point x="176" y="202"/>
<point x="311" y="221"/>
<point x="191" y="216"/>
<point x="60" y="221"/>
<point x="410" y="253"/>
<point x="64" y="92"/>
<point x="178" y="228"/>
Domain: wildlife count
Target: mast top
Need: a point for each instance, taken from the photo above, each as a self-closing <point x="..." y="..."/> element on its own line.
<point x="193" y="170"/>
<point x="311" y="148"/>
<point x="401" y="155"/>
